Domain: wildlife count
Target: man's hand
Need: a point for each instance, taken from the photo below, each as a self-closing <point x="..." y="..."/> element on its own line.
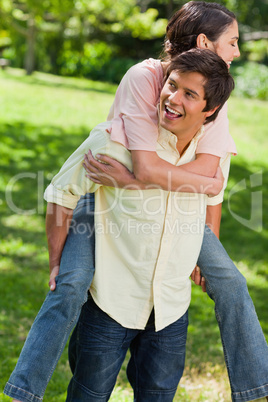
<point x="54" y="272"/>
<point x="198" y="279"/>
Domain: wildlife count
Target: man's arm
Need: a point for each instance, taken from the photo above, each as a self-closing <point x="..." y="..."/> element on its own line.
<point x="213" y="219"/>
<point x="64" y="192"/>
<point x="58" y="220"/>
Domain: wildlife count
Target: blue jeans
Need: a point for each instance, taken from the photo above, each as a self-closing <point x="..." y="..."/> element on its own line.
<point x="245" y="348"/>
<point x="98" y="348"/>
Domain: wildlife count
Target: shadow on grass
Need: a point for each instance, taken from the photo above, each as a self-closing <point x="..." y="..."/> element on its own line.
<point x="29" y="157"/>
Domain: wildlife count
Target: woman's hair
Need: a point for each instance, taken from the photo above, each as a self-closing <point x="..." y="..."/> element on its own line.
<point x="218" y="83"/>
<point x="194" y="18"/>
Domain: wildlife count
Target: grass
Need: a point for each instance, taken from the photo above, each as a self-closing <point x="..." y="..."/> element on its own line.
<point x="43" y="119"/>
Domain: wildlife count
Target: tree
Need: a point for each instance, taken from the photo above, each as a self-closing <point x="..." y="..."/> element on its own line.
<point x="28" y="17"/>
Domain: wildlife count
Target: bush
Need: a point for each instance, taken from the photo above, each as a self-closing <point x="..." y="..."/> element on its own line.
<point x="256" y="50"/>
<point x="97" y="61"/>
<point x="251" y="80"/>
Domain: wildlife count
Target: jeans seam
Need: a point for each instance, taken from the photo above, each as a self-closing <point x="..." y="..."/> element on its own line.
<point x="92" y="393"/>
<point x="23" y="390"/>
<point x="137" y="376"/>
<point x="237" y="396"/>
<point x="162" y="391"/>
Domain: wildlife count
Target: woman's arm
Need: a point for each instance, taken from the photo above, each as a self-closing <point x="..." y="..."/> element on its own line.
<point x="198" y="176"/>
<point x="149" y="168"/>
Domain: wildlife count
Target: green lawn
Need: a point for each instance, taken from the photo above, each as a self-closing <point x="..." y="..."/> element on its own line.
<point x="43" y="119"/>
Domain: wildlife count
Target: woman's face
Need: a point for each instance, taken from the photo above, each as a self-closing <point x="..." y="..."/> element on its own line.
<point x="227" y="45"/>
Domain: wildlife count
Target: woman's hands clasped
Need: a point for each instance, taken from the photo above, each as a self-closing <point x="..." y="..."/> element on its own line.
<point x="109" y="172"/>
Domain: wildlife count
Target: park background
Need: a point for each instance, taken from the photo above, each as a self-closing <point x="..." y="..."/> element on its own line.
<point x="61" y="61"/>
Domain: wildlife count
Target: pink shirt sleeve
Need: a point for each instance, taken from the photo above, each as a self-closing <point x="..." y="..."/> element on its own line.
<point x="134" y="120"/>
<point x="217" y="139"/>
<point x="133" y="115"/>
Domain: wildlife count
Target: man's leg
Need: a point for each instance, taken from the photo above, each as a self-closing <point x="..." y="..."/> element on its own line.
<point x="97" y="350"/>
<point x="245" y="347"/>
<point x="157" y="361"/>
<point x="60" y="311"/>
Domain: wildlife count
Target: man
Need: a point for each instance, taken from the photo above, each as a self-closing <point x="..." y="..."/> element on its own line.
<point x="147" y="244"/>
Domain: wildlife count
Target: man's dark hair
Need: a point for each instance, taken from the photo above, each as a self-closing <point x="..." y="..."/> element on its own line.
<point x="218" y="82"/>
<point x="194" y="18"/>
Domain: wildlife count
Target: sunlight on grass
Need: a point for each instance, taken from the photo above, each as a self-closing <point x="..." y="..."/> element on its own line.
<point x="46" y="99"/>
<point x="32" y="224"/>
<point x="248" y="126"/>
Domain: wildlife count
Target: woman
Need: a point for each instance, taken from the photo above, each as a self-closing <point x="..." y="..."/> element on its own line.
<point x="61" y="308"/>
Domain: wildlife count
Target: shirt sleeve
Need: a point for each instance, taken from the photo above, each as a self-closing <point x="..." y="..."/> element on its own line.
<point x="134" y="112"/>
<point x="225" y="167"/>
<point x="71" y="182"/>
<point x="217" y="139"/>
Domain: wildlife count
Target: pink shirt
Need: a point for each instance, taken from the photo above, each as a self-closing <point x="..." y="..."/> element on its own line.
<point x="134" y="113"/>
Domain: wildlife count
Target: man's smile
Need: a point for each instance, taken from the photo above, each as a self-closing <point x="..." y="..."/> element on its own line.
<point x="172" y="113"/>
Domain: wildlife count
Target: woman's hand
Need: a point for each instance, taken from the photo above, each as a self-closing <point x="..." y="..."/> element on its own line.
<point x="108" y="172"/>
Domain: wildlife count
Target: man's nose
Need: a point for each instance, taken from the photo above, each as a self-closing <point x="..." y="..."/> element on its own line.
<point x="176" y="97"/>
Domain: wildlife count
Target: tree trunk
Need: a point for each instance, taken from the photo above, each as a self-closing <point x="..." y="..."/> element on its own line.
<point x="29" y="61"/>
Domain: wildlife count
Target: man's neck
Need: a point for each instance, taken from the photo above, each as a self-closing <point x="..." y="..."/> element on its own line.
<point x="182" y="147"/>
<point x="183" y="141"/>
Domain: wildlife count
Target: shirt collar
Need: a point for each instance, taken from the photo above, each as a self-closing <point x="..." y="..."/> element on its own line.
<point x="166" y="137"/>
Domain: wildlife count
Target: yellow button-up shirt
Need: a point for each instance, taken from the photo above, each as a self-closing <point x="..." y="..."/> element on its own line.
<point x="147" y="242"/>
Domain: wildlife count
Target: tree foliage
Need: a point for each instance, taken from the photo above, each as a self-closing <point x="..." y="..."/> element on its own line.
<point x="81" y="37"/>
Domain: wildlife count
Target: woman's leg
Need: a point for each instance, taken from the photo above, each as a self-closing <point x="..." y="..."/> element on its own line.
<point x="245" y="347"/>
<point x="60" y="310"/>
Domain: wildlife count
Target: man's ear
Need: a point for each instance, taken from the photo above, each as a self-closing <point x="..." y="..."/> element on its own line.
<point x="202" y="42"/>
<point x="211" y="112"/>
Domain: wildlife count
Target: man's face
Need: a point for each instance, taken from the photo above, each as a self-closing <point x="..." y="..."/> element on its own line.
<point x="182" y="104"/>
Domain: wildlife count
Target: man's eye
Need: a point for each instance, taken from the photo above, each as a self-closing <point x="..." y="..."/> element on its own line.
<point x="189" y="94"/>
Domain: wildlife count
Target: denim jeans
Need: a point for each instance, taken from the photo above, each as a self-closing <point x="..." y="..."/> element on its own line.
<point x="98" y="348"/>
<point x="245" y="348"/>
